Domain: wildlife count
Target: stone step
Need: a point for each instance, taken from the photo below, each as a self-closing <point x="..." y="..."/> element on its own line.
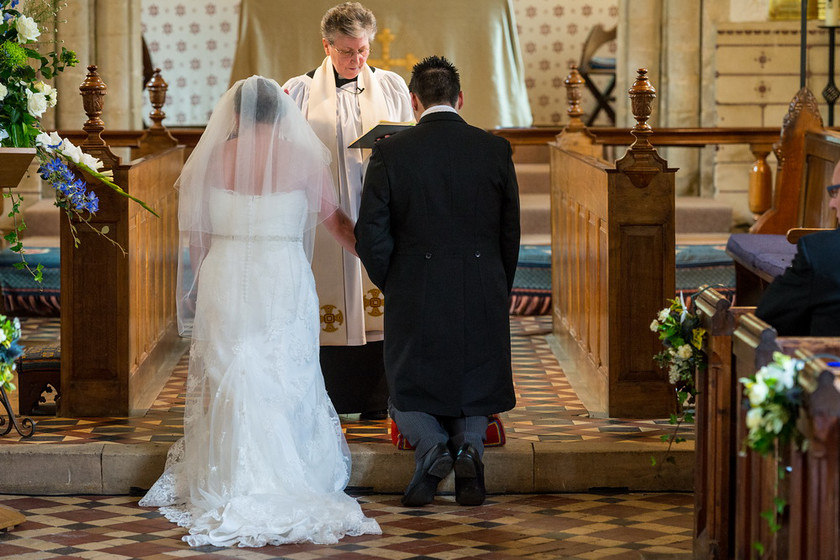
<point x="535" y="213"/>
<point x="533" y="178"/>
<point x="692" y="215"/>
<point x="43" y="219"/>
<point x="517" y="467"/>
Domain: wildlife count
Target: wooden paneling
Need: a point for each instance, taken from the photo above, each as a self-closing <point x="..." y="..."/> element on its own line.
<point x="613" y="268"/>
<point x="118" y="310"/>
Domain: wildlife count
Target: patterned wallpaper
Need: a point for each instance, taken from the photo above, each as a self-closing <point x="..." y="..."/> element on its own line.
<point x="551" y="34"/>
<point x="193" y="42"/>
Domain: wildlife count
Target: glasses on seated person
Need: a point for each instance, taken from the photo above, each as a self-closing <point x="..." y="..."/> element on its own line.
<point x="833" y="190"/>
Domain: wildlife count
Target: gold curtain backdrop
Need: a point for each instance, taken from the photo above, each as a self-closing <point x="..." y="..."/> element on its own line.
<point x="283" y="39"/>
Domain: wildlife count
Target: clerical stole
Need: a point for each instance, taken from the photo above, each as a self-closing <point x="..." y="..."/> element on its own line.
<point x="351" y="305"/>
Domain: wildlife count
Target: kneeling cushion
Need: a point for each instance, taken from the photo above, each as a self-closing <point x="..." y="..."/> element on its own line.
<point x="494" y="436"/>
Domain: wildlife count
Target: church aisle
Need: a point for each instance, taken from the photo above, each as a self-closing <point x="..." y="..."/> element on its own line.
<point x="541" y="526"/>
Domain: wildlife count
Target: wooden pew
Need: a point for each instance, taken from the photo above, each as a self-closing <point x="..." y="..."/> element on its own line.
<point x="613" y="263"/>
<point x="732" y="491"/>
<point x="807" y="154"/>
<point x="753" y="344"/>
<point x="118" y="311"/>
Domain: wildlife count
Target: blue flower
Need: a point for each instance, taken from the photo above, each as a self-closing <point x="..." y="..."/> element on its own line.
<point x="72" y="189"/>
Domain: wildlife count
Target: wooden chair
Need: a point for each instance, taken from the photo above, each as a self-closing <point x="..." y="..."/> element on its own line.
<point x="590" y="65"/>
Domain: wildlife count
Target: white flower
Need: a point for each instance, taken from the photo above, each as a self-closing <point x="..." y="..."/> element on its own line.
<point x="654" y="326"/>
<point x="2" y="336"/>
<point x="50" y="92"/>
<point x="90" y="161"/>
<point x="36" y="103"/>
<point x="74" y="153"/>
<point x="46" y="140"/>
<point x="757" y="393"/>
<point x="754" y="416"/>
<point x="673" y="374"/>
<point x="27" y="29"/>
<point x="3" y="91"/>
<point x="684" y="351"/>
<point x="663" y="315"/>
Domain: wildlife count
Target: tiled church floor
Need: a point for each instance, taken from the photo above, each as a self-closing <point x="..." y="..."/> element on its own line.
<point x="534" y="526"/>
<point x="547" y="526"/>
<point x="547" y="407"/>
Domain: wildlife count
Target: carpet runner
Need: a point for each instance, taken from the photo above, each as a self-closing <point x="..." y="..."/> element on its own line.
<point x="697" y="265"/>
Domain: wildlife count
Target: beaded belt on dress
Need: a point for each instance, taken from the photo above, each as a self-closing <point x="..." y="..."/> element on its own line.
<point x="289" y="238"/>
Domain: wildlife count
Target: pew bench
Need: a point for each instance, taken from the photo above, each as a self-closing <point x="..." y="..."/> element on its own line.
<point x="758" y="259"/>
<point x="39" y="372"/>
<point x="731" y="489"/>
<point x="807" y="154"/>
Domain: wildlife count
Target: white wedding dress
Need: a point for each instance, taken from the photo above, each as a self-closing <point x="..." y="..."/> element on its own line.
<point x="263" y="459"/>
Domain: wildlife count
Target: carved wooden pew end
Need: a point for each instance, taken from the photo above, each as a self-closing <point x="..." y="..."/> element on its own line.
<point x="39" y="372"/>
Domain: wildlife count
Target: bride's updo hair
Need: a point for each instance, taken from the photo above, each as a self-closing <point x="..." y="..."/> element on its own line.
<point x="267" y="107"/>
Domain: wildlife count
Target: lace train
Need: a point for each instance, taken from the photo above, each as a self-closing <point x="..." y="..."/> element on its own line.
<point x="263" y="459"/>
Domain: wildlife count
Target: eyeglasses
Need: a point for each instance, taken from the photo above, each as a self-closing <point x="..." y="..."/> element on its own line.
<point x="833" y="190"/>
<point x="350" y="53"/>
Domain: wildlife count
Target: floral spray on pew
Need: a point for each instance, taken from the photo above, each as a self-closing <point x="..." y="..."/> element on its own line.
<point x="24" y="97"/>
<point x="682" y="336"/>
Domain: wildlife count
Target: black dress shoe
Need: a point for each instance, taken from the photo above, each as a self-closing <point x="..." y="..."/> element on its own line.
<point x="374" y="415"/>
<point x="469" y="477"/>
<point x="432" y="469"/>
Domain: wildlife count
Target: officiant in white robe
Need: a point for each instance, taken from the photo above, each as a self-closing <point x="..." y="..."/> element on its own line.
<point x="343" y="98"/>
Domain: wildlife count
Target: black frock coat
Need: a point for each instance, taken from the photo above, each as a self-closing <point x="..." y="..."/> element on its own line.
<point x="438" y="232"/>
<point x="805" y="300"/>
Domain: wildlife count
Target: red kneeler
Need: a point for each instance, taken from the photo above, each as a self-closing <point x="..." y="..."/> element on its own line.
<point x="495" y="435"/>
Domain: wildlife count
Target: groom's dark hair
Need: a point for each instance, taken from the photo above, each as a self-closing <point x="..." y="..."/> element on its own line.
<point x="434" y="81"/>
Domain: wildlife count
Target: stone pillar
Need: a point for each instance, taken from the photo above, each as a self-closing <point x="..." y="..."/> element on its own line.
<point x="681" y="85"/>
<point x="107" y="34"/>
<point x="639" y="46"/>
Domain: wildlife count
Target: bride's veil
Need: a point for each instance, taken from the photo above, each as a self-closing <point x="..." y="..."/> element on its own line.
<point x="256" y="143"/>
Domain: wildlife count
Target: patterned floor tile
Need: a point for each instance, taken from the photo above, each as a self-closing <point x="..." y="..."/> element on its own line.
<point x="547" y="407"/>
<point x="512" y="526"/>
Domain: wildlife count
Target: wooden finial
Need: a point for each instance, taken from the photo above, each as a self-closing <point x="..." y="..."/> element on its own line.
<point x="93" y="91"/>
<point x="157" y="88"/>
<point x="157" y="137"/>
<point x="642" y="95"/>
<point x="574" y="93"/>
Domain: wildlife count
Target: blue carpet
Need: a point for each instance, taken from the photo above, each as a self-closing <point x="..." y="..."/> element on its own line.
<point x="24" y="297"/>
<point x="697" y="265"/>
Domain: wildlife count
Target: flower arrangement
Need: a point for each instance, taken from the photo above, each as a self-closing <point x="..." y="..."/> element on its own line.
<point x="682" y="336"/>
<point x="680" y="332"/>
<point x="774" y="398"/>
<point x="23" y="100"/>
<point x="24" y="97"/>
<point x="10" y="350"/>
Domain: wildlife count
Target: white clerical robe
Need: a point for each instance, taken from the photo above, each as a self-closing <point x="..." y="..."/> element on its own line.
<point x="351" y="305"/>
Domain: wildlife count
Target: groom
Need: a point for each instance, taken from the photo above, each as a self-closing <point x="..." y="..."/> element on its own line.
<point x="438" y="232"/>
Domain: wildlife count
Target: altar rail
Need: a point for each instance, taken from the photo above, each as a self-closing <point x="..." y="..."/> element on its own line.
<point x="731" y="489"/>
<point x="118" y="311"/>
<point x="612" y="247"/>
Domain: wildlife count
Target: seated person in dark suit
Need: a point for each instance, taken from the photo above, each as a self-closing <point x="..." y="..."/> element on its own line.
<point x="805" y="300"/>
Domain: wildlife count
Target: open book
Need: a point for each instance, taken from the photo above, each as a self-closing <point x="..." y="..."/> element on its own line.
<point x="384" y="128"/>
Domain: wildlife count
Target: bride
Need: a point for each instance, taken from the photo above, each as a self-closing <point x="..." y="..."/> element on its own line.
<point x="263" y="459"/>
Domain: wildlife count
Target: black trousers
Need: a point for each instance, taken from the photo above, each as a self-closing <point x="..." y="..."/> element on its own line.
<point x="355" y="377"/>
